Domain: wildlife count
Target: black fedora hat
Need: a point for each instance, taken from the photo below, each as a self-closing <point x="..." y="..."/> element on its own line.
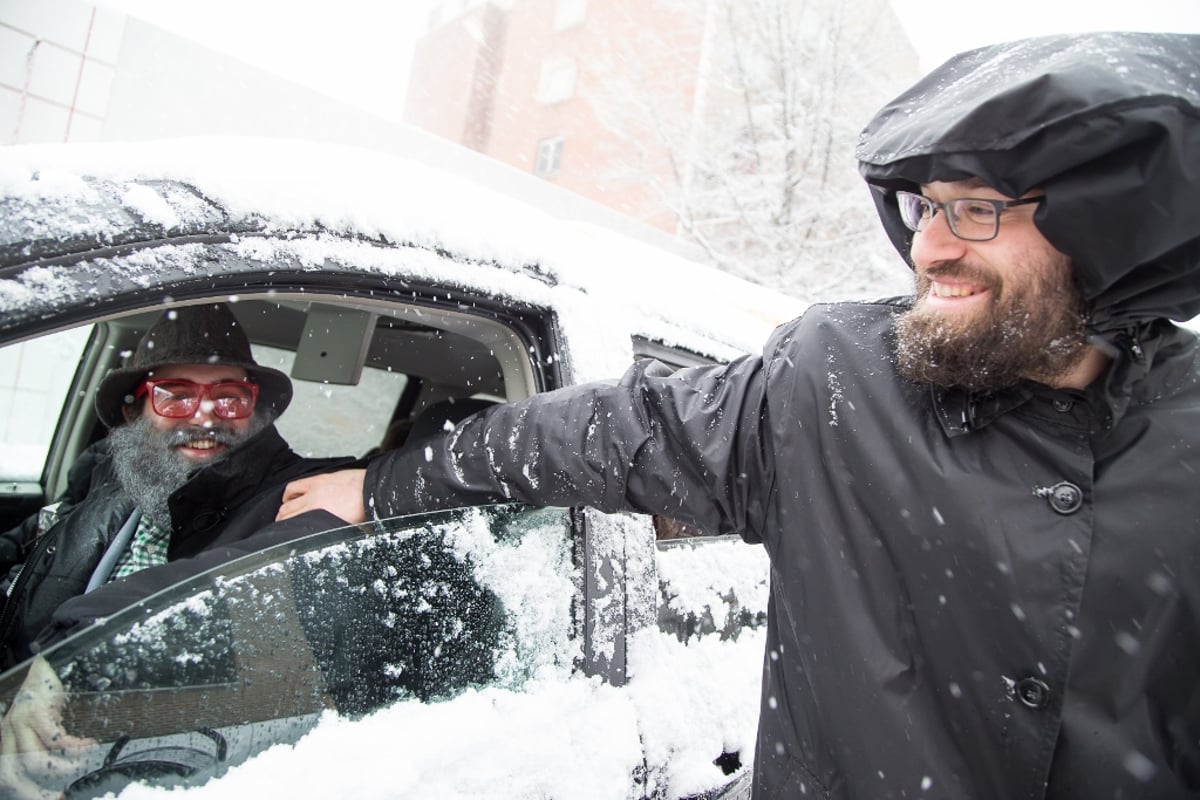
<point x="205" y="334"/>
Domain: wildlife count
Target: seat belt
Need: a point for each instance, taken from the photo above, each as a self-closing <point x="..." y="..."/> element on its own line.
<point x="116" y="549"/>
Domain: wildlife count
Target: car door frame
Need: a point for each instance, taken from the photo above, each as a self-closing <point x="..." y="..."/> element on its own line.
<point x="615" y="594"/>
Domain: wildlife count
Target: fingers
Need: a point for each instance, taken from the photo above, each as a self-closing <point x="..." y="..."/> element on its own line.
<point x="297" y="505"/>
<point x="35" y="748"/>
<point x="294" y="498"/>
<point x="339" y="493"/>
<point x="289" y="508"/>
<point x="14" y="784"/>
<point x="24" y="775"/>
<point x="34" y="742"/>
<point x="297" y="488"/>
<point x="34" y="722"/>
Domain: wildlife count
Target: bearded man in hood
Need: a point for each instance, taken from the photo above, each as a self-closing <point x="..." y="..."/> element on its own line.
<point x="980" y="502"/>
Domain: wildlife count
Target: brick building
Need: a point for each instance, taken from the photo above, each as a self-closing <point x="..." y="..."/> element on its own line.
<point x="535" y="84"/>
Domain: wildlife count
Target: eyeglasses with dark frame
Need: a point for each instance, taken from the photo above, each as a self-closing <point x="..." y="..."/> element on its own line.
<point x="177" y="398"/>
<point x="975" y="219"/>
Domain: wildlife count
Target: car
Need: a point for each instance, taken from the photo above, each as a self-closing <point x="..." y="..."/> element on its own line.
<point x="500" y="651"/>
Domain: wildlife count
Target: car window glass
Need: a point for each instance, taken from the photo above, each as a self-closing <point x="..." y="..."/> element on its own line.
<point x="326" y="419"/>
<point x="225" y="665"/>
<point x="714" y="585"/>
<point x="34" y="379"/>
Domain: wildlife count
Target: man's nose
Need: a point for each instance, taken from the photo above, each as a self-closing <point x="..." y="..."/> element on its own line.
<point x="204" y="412"/>
<point x="936" y="243"/>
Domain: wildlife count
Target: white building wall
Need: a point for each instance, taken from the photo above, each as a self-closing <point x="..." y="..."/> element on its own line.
<point x="57" y="63"/>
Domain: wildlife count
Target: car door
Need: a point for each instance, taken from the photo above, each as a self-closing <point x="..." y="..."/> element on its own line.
<point x="707" y="584"/>
<point x="204" y="675"/>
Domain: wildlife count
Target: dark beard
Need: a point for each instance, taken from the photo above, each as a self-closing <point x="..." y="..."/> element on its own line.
<point x="1037" y="334"/>
<point x="150" y="470"/>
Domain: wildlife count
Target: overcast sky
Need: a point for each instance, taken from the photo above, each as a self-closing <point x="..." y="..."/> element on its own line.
<point x="939" y="30"/>
<point x="355" y="50"/>
<point x="359" y="50"/>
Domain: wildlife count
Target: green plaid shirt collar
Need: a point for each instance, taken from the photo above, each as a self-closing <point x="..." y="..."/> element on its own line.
<point x="147" y="548"/>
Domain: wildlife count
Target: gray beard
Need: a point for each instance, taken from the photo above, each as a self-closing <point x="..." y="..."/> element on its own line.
<point x="149" y="469"/>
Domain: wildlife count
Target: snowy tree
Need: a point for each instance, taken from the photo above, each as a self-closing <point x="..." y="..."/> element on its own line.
<point x="742" y="116"/>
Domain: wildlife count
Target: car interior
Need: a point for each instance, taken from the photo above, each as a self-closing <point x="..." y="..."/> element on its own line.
<point x="365" y="373"/>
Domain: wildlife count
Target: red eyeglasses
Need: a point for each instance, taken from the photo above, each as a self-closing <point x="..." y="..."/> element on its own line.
<point x="178" y="398"/>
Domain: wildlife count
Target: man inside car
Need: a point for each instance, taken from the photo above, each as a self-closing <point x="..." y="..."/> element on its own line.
<point x="192" y="464"/>
<point x="190" y="475"/>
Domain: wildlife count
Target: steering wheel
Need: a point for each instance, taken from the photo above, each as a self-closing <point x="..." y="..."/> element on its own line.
<point x="143" y="767"/>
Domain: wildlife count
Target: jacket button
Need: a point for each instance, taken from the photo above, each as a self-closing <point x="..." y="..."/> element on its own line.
<point x="1061" y="404"/>
<point x="1065" y="498"/>
<point x="1033" y="692"/>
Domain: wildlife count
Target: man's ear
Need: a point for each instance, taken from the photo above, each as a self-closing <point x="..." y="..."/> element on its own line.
<point x="129" y="413"/>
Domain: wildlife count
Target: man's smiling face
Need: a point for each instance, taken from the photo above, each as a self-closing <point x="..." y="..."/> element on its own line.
<point x="154" y="456"/>
<point x="202" y="437"/>
<point x="989" y="313"/>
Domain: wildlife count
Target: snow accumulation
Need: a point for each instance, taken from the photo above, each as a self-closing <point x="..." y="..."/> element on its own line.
<point x="300" y="185"/>
<point x="555" y="739"/>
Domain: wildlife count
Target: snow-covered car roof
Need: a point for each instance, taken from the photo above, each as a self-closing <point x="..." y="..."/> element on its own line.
<point x="112" y="194"/>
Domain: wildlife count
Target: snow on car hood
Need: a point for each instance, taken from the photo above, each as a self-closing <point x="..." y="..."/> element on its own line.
<point x="289" y="185"/>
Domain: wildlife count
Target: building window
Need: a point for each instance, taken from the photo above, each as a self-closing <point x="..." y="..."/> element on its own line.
<point x="556" y="83"/>
<point x="569" y="13"/>
<point x="549" y="157"/>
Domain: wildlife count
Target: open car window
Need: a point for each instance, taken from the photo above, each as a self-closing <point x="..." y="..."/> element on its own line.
<point x="204" y="675"/>
<point x="35" y="377"/>
<point x="364" y="373"/>
<point x="349" y="418"/>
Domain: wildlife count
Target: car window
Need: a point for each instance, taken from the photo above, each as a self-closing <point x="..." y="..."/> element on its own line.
<point x="353" y="393"/>
<point x="34" y="379"/>
<point x="204" y="675"/>
<point x="716" y="585"/>
<point x="327" y="419"/>
<point x="671" y="355"/>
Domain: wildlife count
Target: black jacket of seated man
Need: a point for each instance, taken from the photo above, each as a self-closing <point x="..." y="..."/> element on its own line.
<point x="52" y="559"/>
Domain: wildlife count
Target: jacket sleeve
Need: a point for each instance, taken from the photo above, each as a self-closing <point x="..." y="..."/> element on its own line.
<point x="15" y="543"/>
<point x="688" y="444"/>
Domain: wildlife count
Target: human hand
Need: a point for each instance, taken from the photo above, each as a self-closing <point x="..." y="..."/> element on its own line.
<point x="340" y="493"/>
<point x="35" y="748"/>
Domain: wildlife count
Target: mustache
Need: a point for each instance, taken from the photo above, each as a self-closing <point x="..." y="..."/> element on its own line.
<point x="955" y="270"/>
<point x="958" y="269"/>
<point x="217" y="434"/>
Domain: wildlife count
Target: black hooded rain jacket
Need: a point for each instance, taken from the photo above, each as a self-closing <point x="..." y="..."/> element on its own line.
<point x="972" y="596"/>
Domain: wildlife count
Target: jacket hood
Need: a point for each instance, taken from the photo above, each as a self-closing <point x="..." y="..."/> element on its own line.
<point x="1107" y="125"/>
